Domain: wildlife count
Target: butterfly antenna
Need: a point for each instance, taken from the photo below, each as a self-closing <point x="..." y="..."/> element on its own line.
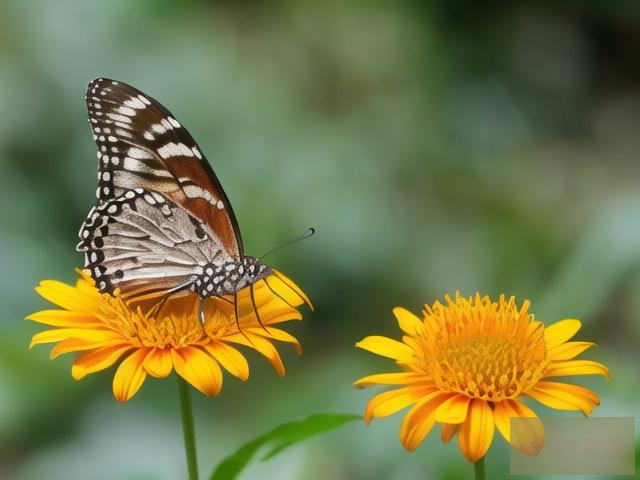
<point x="255" y="309"/>
<point x="308" y="233"/>
<point x="276" y="293"/>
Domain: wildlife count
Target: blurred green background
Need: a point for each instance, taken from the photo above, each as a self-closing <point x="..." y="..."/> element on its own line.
<point x="435" y="146"/>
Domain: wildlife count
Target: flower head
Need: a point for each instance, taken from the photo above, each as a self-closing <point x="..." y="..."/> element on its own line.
<point x="104" y="328"/>
<point x="467" y="363"/>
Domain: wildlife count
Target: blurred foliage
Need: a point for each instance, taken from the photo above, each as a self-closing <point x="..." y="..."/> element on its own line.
<point x="278" y="439"/>
<point x="436" y="146"/>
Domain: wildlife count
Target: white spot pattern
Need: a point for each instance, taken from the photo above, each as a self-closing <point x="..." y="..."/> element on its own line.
<point x="127" y="111"/>
<point x="194" y="191"/>
<point x="158" y="128"/>
<point x="135" y="102"/>
<point x="150" y="144"/>
<point x="135" y="152"/>
<point x="175" y="150"/>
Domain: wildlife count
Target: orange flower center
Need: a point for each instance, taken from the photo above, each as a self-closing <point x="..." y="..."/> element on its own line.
<point x="176" y="325"/>
<point x="483" y="349"/>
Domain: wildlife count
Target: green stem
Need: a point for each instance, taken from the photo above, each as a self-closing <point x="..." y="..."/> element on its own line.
<point x="187" y="427"/>
<point x="478" y="468"/>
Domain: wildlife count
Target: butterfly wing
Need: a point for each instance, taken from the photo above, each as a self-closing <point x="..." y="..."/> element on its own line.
<point x="142" y="242"/>
<point x="142" y="145"/>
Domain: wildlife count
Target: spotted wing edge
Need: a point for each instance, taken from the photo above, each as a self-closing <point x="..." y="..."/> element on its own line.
<point x="142" y="241"/>
<point x="181" y="134"/>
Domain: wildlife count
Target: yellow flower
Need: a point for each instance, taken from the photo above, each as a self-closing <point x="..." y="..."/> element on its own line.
<point x="466" y="365"/>
<point x="103" y="328"/>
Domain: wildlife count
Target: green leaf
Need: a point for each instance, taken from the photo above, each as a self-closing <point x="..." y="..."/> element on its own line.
<point x="278" y="439"/>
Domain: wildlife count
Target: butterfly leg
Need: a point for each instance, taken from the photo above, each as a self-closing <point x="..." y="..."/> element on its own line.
<point x="226" y="300"/>
<point x="276" y="293"/>
<point x="294" y="290"/>
<point x="144" y="295"/>
<point x="235" y="312"/>
<point x="255" y="309"/>
<point x="201" y="310"/>
<point x="158" y="306"/>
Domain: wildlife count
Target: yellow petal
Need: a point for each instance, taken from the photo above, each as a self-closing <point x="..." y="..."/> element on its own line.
<point x="199" y="369"/>
<point x="563" y="396"/>
<point x="576" y="367"/>
<point x="274" y="305"/>
<point x="476" y="433"/>
<point x="392" y="401"/>
<point x="273" y="316"/>
<point x="265" y="300"/>
<point x="58" y="334"/>
<point x="129" y="376"/>
<point x="420" y="420"/>
<point x="448" y="431"/>
<point x="64" y="318"/>
<point x="453" y="410"/>
<point x="230" y="358"/>
<point x="529" y="436"/>
<point x="279" y="292"/>
<point x="277" y="334"/>
<point x="414" y="343"/>
<point x="292" y="286"/>
<point x="568" y="350"/>
<point x="270" y="313"/>
<point x="159" y="363"/>
<point x="389" y="379"/>
<point x="560" y="332"/>
<point x="270" y="308"/>
<point x="75" y="345"/>
<point x="409" y="323"/>
<point x="263" y="346"/>
<point x="96" y="360"/>
<point x="67" y="297"/>
<point x="386" y="347"/>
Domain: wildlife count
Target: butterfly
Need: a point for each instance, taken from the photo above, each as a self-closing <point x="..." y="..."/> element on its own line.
<point x="162" y="224"/>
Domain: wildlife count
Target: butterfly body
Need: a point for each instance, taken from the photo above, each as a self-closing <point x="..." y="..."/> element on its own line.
<point x="162" y="223"/>
<point x="229" y="277"/>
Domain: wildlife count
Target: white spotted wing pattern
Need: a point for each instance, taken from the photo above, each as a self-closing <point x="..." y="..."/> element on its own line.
<point x="142" y="235"/>
<point x="162" y="222"/>
<point x="141" y="144"/>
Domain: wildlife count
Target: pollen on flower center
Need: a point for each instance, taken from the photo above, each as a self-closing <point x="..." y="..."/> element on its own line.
<point x="483" y="349"/>
<point x="177" y="325"/>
